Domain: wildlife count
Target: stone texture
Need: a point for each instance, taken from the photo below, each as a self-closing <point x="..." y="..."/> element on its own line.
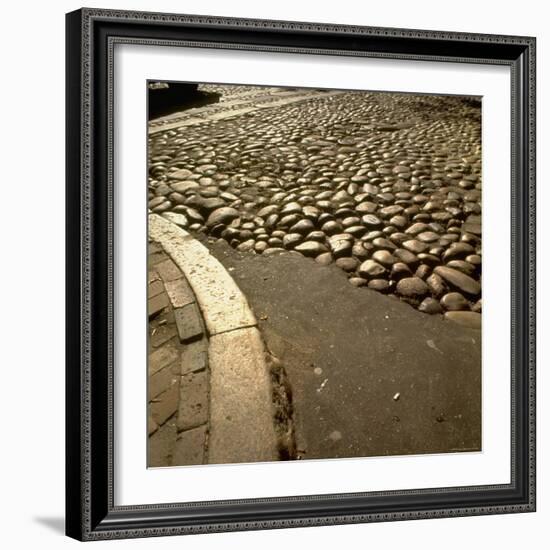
<point x="193" y="400"/>
<point x="194" y="356"/>
<point x="168" y="270"/>
<point x="458" y="280"/>
<point x="162" y="357"/>
<point x="179" y="293"/>
<point x="156" y="304"/>
<point x="225" y="307"/>
<point x="189" y="447"/>
<point x="166" y="404"/>
<point x="241" y="423"/>
<point x="188" y="322"/>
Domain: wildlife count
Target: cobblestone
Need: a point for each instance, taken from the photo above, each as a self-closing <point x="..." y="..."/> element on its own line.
<point x="338" y="176"/>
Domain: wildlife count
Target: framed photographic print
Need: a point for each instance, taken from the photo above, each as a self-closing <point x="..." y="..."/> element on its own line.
<point x="300" y="274"/>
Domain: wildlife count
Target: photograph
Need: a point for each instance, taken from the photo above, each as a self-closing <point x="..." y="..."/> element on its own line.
<point x="314" y="273"/>
<point x="300" y="270"/>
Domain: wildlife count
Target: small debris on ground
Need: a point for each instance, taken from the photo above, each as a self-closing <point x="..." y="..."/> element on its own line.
<point x="323" y="384"/>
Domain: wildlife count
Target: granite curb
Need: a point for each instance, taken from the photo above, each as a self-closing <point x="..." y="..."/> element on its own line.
<point x="241" y="424"/>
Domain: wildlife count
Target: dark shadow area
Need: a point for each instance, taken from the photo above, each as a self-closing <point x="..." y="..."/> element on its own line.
<point x="56" y="524"/>
<point x="166" y="98"/>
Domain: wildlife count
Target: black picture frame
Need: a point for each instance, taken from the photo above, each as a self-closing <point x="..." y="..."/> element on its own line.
<point x="90" y="511"/>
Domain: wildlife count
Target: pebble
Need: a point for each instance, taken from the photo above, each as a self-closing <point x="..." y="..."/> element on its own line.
<point x="459" y="280"/>
<point x="178" y="219"/>
<point x="347" y="264"/>
<point x="311" y="248"/>
<point x="381" y="285"/>
<point x="222" y="215"/>
<point x="393" y="200"/>
<point x="453" y="301"/>
<point x="384" y="258"/>
<point x="412" y="287"/>
<point x="431" y="306"/>
<point x="370" y="269"/>
<point x="415" y="246"/>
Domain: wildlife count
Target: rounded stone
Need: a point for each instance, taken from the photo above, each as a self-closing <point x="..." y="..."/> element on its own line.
<point x="260" y="246"/>
<point x="414" y="246"/>
<point x="431" y="306"/>
<point x="291" y="208"/>
<point x="340" y="245"/>
<point x="400" y="270"/>
<point x="267" y="211"/>
<point x="381" y="242"/>
<point x="427" y="236"/>
<point x="384" y="257"/>
<point x="291" y="240"/>
<point x="156" y="202"/>
<point x="222" y="215"/>
<point x="459" y="280"/>
<point x="163" y="207"/>
<point x="457" y="251"/>
<point x="311" y="248"/>
<point x="331" y="228"/>
<point x="325" y="258"/>
<point x="357" y="281"/>
<point x="315" y="236"/>
<point x="436" y="285"/>
<point x="371" y="221"/>
<point x="347" y="264"/>
<point x="405" y="256"/>
<point x="302" y="227"/>
<point x="462" y="266"/>
<point x="366" y="207"/>
<point x="380" y="285"/>
<point x="178" y="219"/>
<point x="272" y="251"/>
<point x="370" y="269"/>
<point x="422" y="271"/>
<point x="359" y="251"/>
<point x="412" y="287"/>
<point x="454" y="301"/>
<point x="246" y="246"/>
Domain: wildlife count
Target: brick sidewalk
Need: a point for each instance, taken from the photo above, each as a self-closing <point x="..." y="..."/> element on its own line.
<point x="178" y="380"/>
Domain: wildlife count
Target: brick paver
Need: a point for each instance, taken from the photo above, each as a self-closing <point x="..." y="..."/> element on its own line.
<point x="178" y="378"/>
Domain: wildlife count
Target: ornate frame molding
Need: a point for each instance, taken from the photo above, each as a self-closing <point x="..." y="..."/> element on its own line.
<point x="91" y="514"/>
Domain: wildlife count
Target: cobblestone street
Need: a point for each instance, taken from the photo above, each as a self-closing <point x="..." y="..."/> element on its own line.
<point x="387" y="186"/>
<point x="380" y="189"/>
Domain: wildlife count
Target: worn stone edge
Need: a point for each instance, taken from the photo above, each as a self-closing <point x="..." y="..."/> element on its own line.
<point x="166" y="234"/>
<point x="196" y="262"/>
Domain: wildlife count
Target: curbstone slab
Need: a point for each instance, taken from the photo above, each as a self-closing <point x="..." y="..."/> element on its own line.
<point x="241" y="421"/>
<point x="223" y="305"/>
<point x="241" y="415"/>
